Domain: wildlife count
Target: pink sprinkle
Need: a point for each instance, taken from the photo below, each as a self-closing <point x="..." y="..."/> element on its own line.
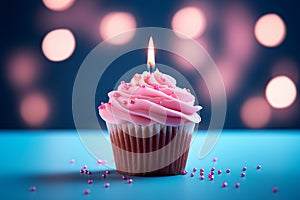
<point x="244" y="168"/>
<point x="124" y="177"/>
<point x="88" y="172"/>
<point x="90" y="181"/>
<point x="116" y="94"/>
<point x="156" y="87"/>
<point x="212" y="177"/>
<point x="192" y="175"/>
<point x="184" y="172"/>
<point x="127" y="86"/>
<point x="72" y="161"/>
<point x="274" y="189"/>
<point x="227" y="171"/>
<point x="122" y="82"/>
<point x="131" y="101"/>
<point x="125" y="102"/>
<point x="84" y="166"/>
<point x="201" y="173"/>
<point x="236" y="185"/>
<point x="82" y="171"/>
<point x="106" y="185"/>
<point x="213" y="169"/>
<point x="143" y="86"/>
<point x="86" y="191"/>
<point x="162" y="79"/>
<point x="32" y="188"/>
<point x="201" y="170"/>
<point x="101" y="107"/>
<point x="243" y="174"/>
<point x="215" y="159"/>
<point x="212" y="172"/>
<point x="258" y="166"/>
<point x="194" y="169"/>
<point x="129" y="181"/>
<point x="224" y="184"/>
<point x="109" y="103"/>
<point x="209" y="175"/>
<point x="107" y="171"/>
<point x="159" y="102"/>
<point x="99" y="162"/>
<point x="201" y="177"/>
<point x="103" y="175"/>
<point x="219" y="171"/>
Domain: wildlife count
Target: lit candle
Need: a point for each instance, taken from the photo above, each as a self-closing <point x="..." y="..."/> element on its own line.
<point x="151" y="57"/>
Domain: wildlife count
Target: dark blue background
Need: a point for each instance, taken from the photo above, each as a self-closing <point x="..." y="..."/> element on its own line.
<point x="19" y="28"/>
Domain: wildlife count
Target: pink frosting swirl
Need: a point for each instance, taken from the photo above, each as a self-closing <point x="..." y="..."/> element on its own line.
<point x="150" y="99"/>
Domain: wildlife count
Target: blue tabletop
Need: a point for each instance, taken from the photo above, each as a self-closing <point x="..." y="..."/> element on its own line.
<point x="42" y="159"/>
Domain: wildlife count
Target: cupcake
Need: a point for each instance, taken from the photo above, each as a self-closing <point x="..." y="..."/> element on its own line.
<point x="150" y="121"/>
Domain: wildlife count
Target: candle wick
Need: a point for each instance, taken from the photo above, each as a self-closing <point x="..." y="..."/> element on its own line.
<point x="151" y="66"/>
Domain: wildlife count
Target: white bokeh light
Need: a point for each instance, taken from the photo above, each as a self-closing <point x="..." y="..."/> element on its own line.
<point x="281" y="92"/>
<point x="115" y="23"/>
<point x="58" y="5"/>
<point x="58" y="45"/>
<point x="270" y="30"/>
<point x="189" y="21"/>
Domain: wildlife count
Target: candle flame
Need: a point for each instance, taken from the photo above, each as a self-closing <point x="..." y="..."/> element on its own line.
<point x="151" y="55"/>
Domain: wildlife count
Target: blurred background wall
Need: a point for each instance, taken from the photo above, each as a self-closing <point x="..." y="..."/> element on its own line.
<point x="255" y="45"/>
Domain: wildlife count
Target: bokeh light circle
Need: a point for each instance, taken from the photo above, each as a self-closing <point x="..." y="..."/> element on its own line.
<point x="58" y="45"/>
<point x="35" y="109"/>
<point x="281" y="92"/>
<point x="114" y="24"/>
<point x="189" y="21"/>
<point x="255" y="112"/>
<point x="23" y="68"/>
<point x="58" y="5"/>
<point x="270" y="30"/>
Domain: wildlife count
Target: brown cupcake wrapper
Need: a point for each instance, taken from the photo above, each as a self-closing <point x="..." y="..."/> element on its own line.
<point x="154" y="150"/>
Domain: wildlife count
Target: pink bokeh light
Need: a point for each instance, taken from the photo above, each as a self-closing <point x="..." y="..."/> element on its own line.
<point x="190" y="21"/>
<point x="239" y="42"/>
<point x="255" y="112"/>
<point x="35" y="109"/>
<point x="23" y="68"/>
<point x="115" y="23"/>
<point x="191" y="51"/>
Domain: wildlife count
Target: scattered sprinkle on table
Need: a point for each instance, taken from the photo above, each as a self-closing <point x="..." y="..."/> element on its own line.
<point x="274" y="189"/>
<point x="32" y="188"/>
<point x="86" y="191"/>
<point x="237" y="185"/>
